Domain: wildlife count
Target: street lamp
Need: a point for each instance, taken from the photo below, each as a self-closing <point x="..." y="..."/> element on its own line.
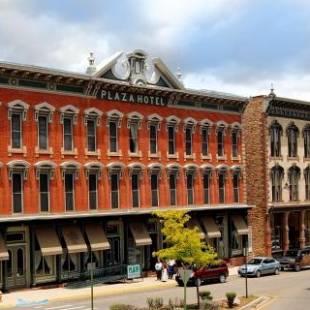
<point x="245" y="249"/>
<point x="91" y="280"/>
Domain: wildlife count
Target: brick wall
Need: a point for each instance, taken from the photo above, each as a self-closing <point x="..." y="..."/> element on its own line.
<point x="255" y="139"/>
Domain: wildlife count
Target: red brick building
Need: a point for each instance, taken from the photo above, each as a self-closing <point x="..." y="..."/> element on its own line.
<point x="86" y="159"/>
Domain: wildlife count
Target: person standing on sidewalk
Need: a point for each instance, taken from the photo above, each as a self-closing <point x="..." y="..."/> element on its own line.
<point x="158" y="269"/>
<point x="164" y="275"/>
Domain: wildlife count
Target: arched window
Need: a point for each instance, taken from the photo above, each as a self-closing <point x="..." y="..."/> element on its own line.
<point x="293" y="177"/>
<point x="275" y="139"/>
<point x="277" y="174"/>
<point x="306" y="134"/>
<point x="292" y="138"/>
<point x="222" y="174"/>
<point x="307" y="182"/>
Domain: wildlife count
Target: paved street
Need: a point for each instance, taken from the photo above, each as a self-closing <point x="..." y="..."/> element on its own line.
<point x="292" y="291"/>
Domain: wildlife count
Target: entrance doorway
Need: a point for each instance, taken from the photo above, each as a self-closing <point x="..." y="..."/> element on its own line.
<point x="16" y="267"/>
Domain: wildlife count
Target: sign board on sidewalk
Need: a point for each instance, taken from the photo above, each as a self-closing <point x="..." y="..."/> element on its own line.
<point x="185" y="274"/>
<point x="133" y="271"/>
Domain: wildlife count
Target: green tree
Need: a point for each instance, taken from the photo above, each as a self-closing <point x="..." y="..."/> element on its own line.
<point x="183" y="243"/>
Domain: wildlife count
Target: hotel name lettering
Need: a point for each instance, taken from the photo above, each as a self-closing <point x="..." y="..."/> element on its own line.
<point x="134" y="98"/>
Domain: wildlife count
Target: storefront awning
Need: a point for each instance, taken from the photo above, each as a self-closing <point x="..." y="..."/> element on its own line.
<point x="140" y="234"/>
<point x="48" y="241"/>
<point x="74" y="240"/>
<point x="211" y="227"/>
<point x="4" y="254"/>
<point x="194" y="223"/>
<point x="96" y="237"/>
<point x="240" y="225"/>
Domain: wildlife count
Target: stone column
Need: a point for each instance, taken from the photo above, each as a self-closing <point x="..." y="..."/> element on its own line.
<point x="268" y="235"/>
<point x="302" y="238"/>
<point x="286" y="239"/>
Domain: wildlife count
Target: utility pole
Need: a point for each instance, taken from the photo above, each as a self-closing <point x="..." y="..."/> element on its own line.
<point x="246" y="271"/>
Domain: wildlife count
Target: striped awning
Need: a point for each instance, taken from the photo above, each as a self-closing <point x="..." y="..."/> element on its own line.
<point x="48" y="241"/>
<point x="240" y="225"/>
<point x="74" y="239"/>
<point x="96" y="237"/>
<point x="193" y="222"/>
<point x="140" y="234"/>
<point x="211" y="227"/>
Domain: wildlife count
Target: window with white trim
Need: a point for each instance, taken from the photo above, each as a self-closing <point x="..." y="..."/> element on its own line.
<point x="220" y="141"/>
<point x="293" y="177"/>
<point x="173" y="188"/>
<point x="306" y="134"/>
<point x="206" y="186"/>
<point x="44" y="188"/>
<point x="91" y="135"/>
<point x="153" y="138"/>
<point x="17" y="191"/>
<point x="114" y="179"/>
<point x="135" y="189"/>
<point x="68" y="134"/>
<point x="16" y="130"/>
<point x="154" y="189"/>
<point x="277" y="174"/>
<point x="113" y="131"/>
<point x="307" y="183"/>
<point x="43" y="132"/>
<point x="222" y="185"/>
<point x="93" y="191"/>
<point x="190" y="187"/>
<point x="205" y="141"/>
<point x="236" y="185"/>
<point x="69" y="191"/>
<point x="275" y="139"/>
<point x="171" y="140"/>
<point x="292" y="139"/>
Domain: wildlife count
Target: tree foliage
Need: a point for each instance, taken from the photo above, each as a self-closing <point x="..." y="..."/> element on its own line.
<point x="183" y="243"/>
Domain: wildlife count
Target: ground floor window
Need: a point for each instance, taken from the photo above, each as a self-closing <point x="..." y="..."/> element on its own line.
<point x="70" y="262"/>
<point x="95" y="260"/>
<point x="276" y="231"/>
<point x="112" y="256"/>
<point x="44" y="265"/>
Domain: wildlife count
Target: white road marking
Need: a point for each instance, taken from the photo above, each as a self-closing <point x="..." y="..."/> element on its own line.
<point x="58" y="307"/>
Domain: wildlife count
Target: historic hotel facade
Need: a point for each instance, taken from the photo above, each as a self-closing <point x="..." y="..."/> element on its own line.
<point x="87" y="158"/>
<point x="277" y="135"/>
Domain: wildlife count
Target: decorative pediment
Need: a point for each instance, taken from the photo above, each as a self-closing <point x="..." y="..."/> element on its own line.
<point x="138" y="68"/>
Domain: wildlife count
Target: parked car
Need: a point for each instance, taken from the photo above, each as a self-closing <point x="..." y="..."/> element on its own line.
<point x="211" y="272"/>
<point x="258" y="266"/>
<point x="295" y="259"/>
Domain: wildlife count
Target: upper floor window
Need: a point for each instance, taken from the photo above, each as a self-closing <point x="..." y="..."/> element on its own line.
<point x="155" y="171"/>
<point x="190" y="172"/>
<point x="277" y="174"/>
<point x="172" y="128"/>
<point x="136" y="171"/>
<point x="154" y="126"/>
<point x="236" y="175"/>
<point x="17" y="113"/>
<point x="222" y="171"/>
<point x="207" y="173"/>
<point x="275" y="139"/>
<point x="134" y="123"/>
<point x="93" y="174"/>
<point x="189" y="128"/>
<point x="68" y="118"/>
<point x="115" y="173"/>
<point x="92" y="117"/>
<point x="18" y="172"/>
<point x="235" y="133"/>
<point x="114" y="123"/>
<point x="293" y="177"/>
<point x="306" y="134"/>
<point x="68" y="134"/>
<point x="292" y="139"/>
<point x="220" y="130"/>
<point x="43" y="116"/>
<point x="307" y="182"/>
<point x="45" y="172"/>
<point x="173" y="173"/>
<point x="69" y="173"/>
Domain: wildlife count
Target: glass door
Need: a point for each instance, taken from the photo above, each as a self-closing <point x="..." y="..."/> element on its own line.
<point x="16" y="271"/>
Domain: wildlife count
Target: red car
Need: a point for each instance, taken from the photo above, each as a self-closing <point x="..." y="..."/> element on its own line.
<point x="212" y="272"/>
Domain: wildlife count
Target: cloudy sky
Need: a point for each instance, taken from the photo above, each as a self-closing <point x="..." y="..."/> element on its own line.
<point x="237" y="46"/>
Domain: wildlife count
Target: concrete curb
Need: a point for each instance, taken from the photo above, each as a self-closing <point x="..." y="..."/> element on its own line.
<point x="257" y="303"/>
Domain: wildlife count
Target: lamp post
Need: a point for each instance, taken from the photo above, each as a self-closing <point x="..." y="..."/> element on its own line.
<point x="91" y="281"/>
<point x="246" y="271"/>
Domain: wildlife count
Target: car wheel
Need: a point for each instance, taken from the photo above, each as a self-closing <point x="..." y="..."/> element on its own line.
<point x="297" y="268"/>
<point x="276" y="271"/>
<point x="222" y="278"/>
<point x="258" y="274"/>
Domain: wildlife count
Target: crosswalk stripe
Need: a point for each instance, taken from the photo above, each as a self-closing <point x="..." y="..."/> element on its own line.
<point x="58" y="307"/>
<point x="76" y="307"/>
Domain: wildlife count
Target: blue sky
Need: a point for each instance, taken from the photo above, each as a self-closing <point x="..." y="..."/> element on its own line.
<point x="238" y="46"/>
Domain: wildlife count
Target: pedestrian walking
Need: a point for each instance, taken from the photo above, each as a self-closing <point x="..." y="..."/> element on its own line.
<point x="164" y="275"/>
<point x="158" y="269"/>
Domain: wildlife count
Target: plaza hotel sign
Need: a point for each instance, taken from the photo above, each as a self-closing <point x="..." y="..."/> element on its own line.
<point x="132" y="98"/>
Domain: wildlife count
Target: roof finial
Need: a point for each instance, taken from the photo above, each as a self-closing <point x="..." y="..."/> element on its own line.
<point x="91" y="69"/>
<point x="272" y="93"/>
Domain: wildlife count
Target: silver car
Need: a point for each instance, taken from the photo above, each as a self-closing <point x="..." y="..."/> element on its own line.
<point x="258" y="266"/>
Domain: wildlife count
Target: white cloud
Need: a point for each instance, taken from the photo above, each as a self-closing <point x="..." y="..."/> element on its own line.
<point x="291" y="86"/>
<point x="46" y="40"/>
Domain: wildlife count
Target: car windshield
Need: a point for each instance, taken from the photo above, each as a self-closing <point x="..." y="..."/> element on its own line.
<point x="291" y="253"/>
<point x="255" y="261"/>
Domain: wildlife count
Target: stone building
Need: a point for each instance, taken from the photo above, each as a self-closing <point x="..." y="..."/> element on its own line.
<point x="277" y="140"/>
<point x="87" y="158"/>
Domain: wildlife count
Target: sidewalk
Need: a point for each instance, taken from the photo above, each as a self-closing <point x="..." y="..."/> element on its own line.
<point x="39" y="295"/>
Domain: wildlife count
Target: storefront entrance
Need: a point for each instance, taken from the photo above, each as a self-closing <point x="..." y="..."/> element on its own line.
<point x="16" y="267"/>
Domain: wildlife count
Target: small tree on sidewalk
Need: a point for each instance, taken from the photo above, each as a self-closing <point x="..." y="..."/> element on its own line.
<point x="183" y="243"/>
